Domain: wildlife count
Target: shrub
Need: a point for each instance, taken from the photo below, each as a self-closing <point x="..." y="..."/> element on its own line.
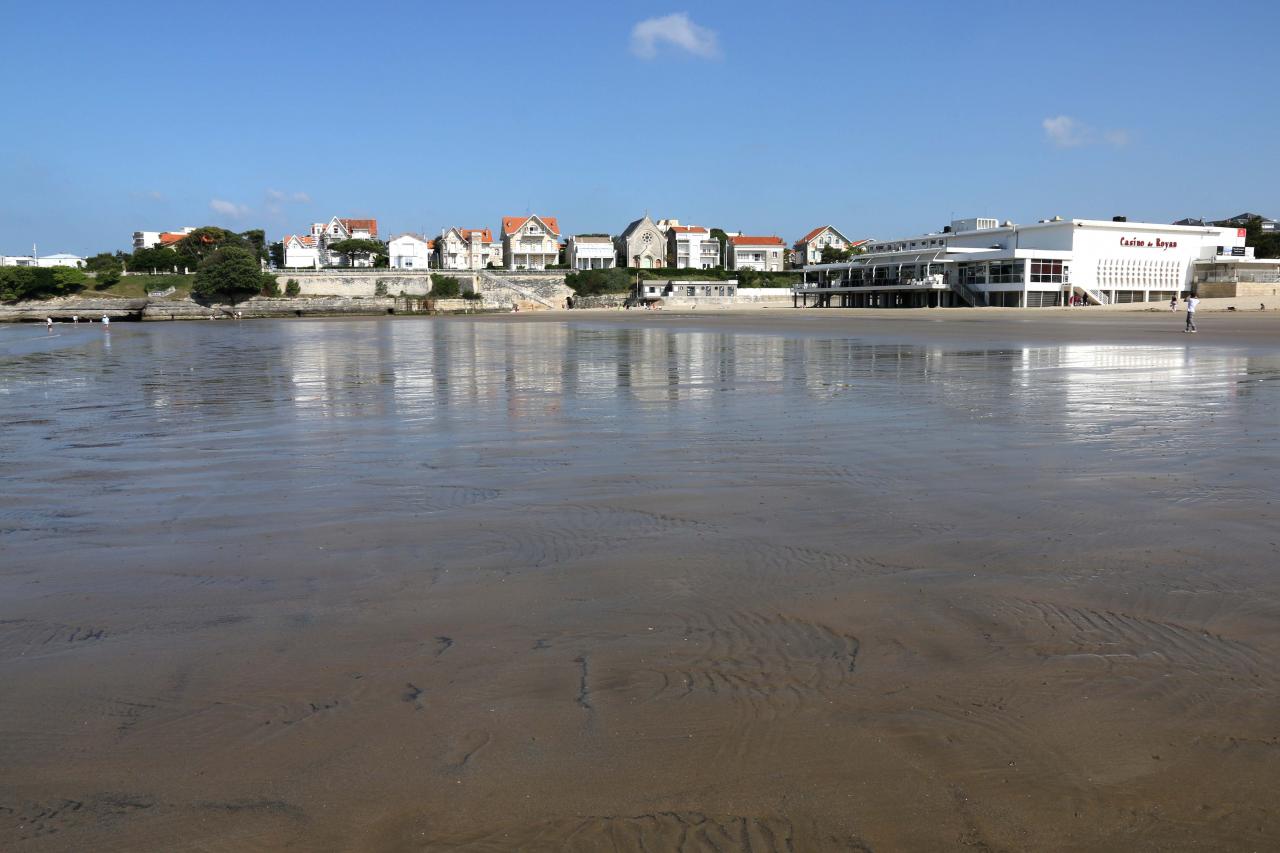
<point x="596" y="282"/>
<point x="270" y="287"/>
<point x="445" y="287"/>
<point x="472" y="296"/>
<point x="292" y="288"/>
<point x="106" y="278"/>
<point x="380" y="289"/>
<point x="39" y="282"/>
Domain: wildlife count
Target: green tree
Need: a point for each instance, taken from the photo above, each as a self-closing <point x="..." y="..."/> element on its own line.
<point x="275" y="253"/>
<point x="104" y="261"/>
<point x="106" y="278"/>
<point x="270" y="285"/>
<point x="1266" y="244"/>
<point x="256" y="240"/>
<point x="39" y="282"/>
<point x="292" y="288"/>
<point x="832" y="255"/>
<point x="723" y="239"/>
<point x="205" y="241"/>
<point x="231" y="273"/>
<point x="357" y="249"/>
<point x="157" y="259"/>
<point x="445" y="287"/>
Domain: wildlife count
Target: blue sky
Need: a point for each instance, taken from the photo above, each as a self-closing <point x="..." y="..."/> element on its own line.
<point x="883" y="118"/>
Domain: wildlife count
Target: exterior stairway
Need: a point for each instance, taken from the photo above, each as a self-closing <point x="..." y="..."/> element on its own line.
<point x="971" y="297"/>
<point x="505" y="290"/>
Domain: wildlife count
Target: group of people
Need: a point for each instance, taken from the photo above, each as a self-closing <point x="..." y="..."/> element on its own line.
<point x="75" y="318"/>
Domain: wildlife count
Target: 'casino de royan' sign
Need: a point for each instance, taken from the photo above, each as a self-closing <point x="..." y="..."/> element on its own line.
<point x="1157" y="243"/>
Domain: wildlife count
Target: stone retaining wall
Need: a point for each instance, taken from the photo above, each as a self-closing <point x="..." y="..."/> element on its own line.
<point x="1232" y="289"/>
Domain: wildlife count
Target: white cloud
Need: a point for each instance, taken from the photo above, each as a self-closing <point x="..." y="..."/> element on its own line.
<point x="282" y="196"/>
<point x="674" y="30"/>
<point x="228" y="208"/>
<point x="1067" y="132"/>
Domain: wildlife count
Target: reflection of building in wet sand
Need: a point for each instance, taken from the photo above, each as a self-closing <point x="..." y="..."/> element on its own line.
<point x="660" y="365"/>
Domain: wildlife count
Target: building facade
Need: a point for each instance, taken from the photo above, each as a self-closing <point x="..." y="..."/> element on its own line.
<point x="590" y="252"/>
<point x="642" y="245"/>
<point x="467" y="249"/>
<point x="763" y="254"/>
<point x="1057" y="261"/>
<point x="692" y="247"/>
<point x="151" y="239"/>
<point x="301" y="251"/>
<point x="58" y="259"/>
<point x="530" y="242"/>
<point x="338" y="229"/>
<point x="409" y="251"/>
<point x="808" y="249"/>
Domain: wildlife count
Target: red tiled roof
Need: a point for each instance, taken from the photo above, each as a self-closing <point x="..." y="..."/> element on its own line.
<point x="512" y="224"/>
<point x="814" y="233"/>
<point x="306" y="239"/>
<point x="168" y="238"/>
<point x="370" y="225"/>
<point x="688" y="229"/>
<point x="486" y="236"/>
<point x="756" y="241"/>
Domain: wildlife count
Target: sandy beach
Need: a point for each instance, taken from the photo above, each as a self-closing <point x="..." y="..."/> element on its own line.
<point x="766" y="580"/>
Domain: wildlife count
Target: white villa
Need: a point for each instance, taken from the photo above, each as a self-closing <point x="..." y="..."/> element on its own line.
<point x="590" y="252"/>
<point x="325" y="234"/>
<point x="692" y="247"/>
<point x="809" y="247"/>
<point x="409" y="252"/>
<point x="301" y="251"/>
<point x="467" y="249"/>
<point x="763" y="254"/>
<point x="530" y="242"/>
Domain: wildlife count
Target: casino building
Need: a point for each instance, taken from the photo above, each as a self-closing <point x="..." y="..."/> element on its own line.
<point x="981" y="262"/>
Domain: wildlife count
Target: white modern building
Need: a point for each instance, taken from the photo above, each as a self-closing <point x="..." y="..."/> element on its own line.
<point x="692" y="247"/>
<point x="60" y="259"/>
<point x="530" y="242"/>
<point x="151" y="239"/>
<point x="763" y="254"/>
<point x="409" y="252"/>
<point x="590" y="252"/>
<point x="467" y="249"/>
<point x="983" y="262"/>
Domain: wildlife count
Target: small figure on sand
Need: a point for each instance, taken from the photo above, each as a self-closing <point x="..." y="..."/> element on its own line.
<point x="1192" y="302"/>
<point x="48" y="324"/>
<point x="1173" y="303"/>
<point x="75" y="318"/>
<point x="106" y="321"/>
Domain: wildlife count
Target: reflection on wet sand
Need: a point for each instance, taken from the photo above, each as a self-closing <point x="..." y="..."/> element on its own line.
<point x="412" y="584"/>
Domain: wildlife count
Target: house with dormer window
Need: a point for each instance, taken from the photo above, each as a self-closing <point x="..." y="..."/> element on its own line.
<point x="338" y="229"/>
<point x="530" y="242"/>
<point x="642" y="244"/>
<point x="808" y="249"/>
<point x="301" y="251"/>
<point x="763" y="254"/>
<point x="467" y="249"/>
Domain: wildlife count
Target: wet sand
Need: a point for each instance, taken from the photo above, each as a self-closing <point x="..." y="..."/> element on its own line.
<point x="625" y="581"/>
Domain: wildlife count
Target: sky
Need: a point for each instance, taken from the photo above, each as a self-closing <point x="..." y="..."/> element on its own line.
<point x="884" y="119"/>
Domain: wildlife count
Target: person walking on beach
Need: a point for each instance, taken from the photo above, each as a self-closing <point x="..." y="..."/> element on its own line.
<point x="1173" y="303"/>
<point x="1192" y="302"/>
<point x="48" y="324"/>
<point x="106" y="321"/>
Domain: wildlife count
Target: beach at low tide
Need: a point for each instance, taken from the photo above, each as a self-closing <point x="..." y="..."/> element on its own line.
<point x="625" y="580"/>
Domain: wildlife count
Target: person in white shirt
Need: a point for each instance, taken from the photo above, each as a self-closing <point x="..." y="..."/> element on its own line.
<point x="106" y="321"/>
<point x="1192" y="302"/>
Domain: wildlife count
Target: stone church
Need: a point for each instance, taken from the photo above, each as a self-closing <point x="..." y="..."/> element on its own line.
<point x="642" y="245"/>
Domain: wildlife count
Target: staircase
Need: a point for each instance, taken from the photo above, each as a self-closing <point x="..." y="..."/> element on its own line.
<point x="1097" y="297"/>
<point x="971" y="297"/>
<point x="548" y="292"/>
